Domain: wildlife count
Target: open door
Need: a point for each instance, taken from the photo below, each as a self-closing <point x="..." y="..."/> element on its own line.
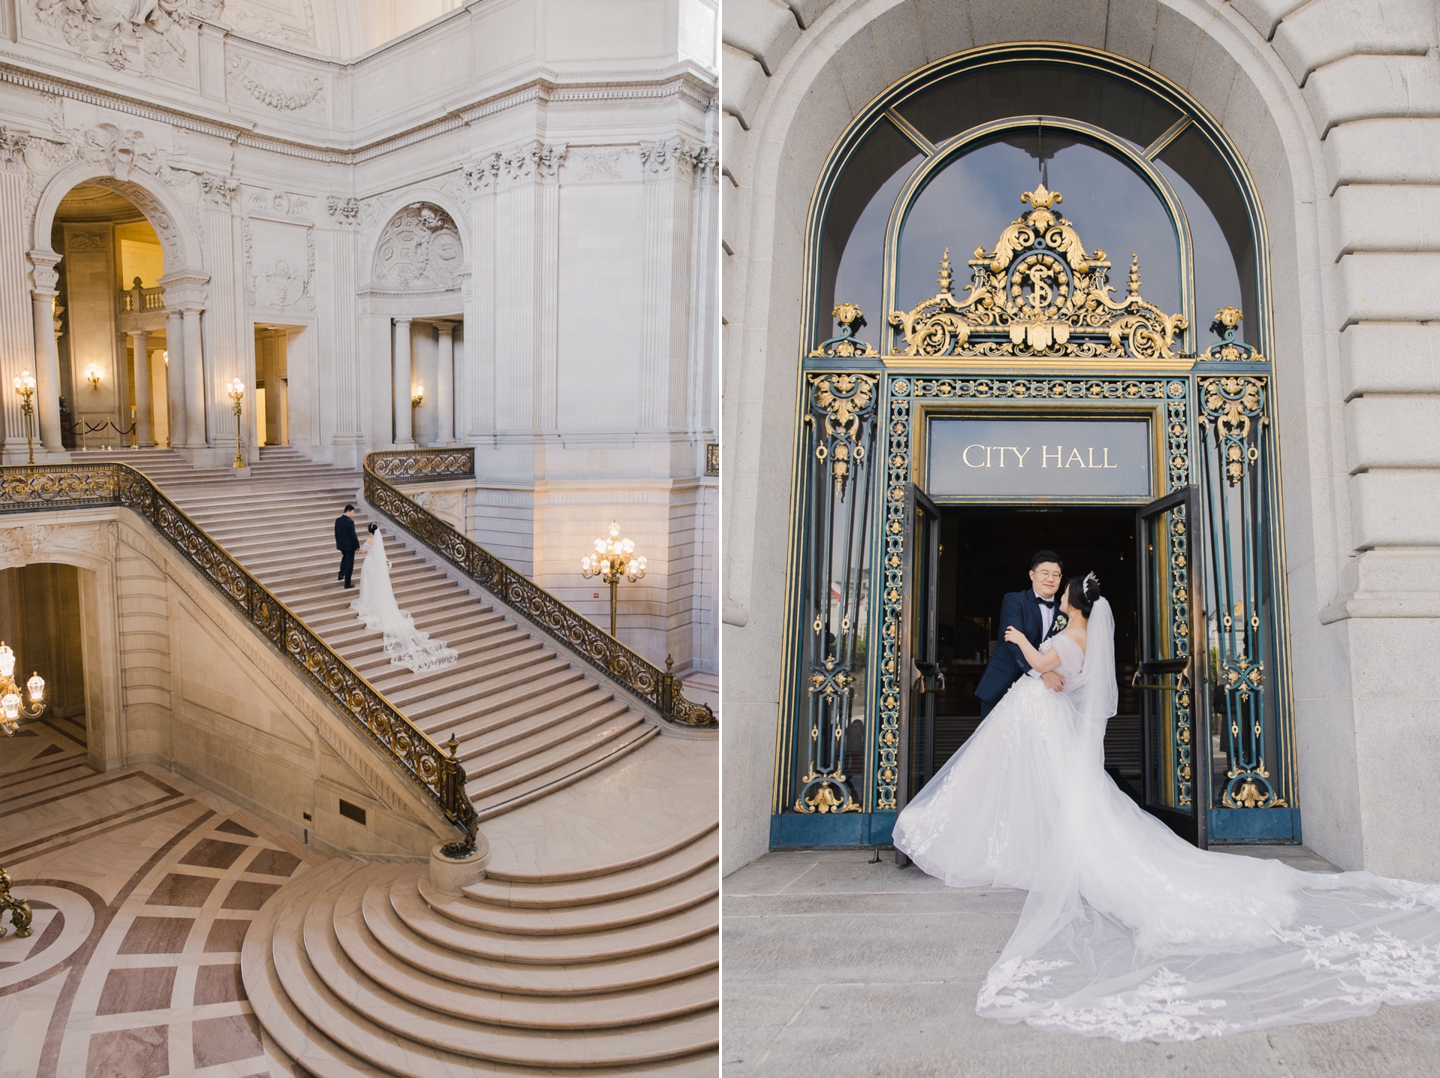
<point x="1174" y="730"/>
<point x="925" y="641"/>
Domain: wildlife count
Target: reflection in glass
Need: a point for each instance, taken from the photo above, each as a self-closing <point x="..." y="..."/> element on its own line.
<point x="970" y="202"/>
<point x="1192" y="162"/>
<point x="852" y="239"/>
<point x="1040" y="89"/>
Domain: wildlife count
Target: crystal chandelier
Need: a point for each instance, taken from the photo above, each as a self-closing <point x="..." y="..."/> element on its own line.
<point x="614" y="559"/>
<point x="11" y="710"/>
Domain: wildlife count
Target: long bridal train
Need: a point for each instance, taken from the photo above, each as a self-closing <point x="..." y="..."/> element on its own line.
<point x="406" y="644"/>
<point x="1128" y="931"/>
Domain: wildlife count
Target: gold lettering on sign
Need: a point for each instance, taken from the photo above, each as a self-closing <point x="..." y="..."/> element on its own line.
<point x="1045" y="456"/>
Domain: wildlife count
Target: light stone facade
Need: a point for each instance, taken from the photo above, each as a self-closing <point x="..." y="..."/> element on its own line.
<point x="1335" y="107"/>
<point x="512" y="205"/>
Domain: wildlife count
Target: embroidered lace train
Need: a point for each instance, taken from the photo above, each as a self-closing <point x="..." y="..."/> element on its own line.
<point x="1128" y="931"/>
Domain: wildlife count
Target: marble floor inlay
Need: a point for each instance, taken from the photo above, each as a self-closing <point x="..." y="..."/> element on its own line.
<point x="143" y="886"/>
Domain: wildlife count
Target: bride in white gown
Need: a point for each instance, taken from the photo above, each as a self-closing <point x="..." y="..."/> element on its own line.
<point x="376" y="607"/>
<point x="1128" y="931"/>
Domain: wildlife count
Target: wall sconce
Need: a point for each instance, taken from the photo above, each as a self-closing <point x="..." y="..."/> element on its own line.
<point x="92" y="372"/>
<point x="417" y="397"/>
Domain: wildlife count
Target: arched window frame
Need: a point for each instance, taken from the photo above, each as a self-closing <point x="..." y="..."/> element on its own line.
<point x="815" y="321"/>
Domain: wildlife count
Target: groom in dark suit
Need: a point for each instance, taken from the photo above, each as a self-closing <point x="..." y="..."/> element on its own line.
<point x="347" y="542"/>
<point x="1032" y="611"/>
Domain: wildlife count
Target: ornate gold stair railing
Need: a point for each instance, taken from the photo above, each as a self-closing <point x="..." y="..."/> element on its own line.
<point x="38" y="488"/>
<point x="635" y="674"/>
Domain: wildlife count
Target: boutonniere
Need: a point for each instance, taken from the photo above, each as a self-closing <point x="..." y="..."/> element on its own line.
<point x="1059" y="624"/>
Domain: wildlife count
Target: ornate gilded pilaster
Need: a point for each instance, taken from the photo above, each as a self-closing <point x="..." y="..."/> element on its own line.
<point x="1234" y="408"/>
<point x="840" y="432"/>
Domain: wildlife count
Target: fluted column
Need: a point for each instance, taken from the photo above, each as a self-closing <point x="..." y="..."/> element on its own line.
<point x="445" y="383"/>
<point x="194" y="381"/>
<point x="47" y="356"/>
<point x="404" y="439"/>
<point x="144" y="397"/>
<point x="175" y="374"/>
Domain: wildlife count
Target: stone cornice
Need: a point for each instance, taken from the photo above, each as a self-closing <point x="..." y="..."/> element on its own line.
<point x="686" y="83"/>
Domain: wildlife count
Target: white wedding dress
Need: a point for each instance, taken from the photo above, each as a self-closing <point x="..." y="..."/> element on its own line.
<point x="1129" y="931"/>
<point x="376" y="607"/>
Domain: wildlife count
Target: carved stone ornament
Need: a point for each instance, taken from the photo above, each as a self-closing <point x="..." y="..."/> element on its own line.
<point x="1038" y="293"/>
<point x="534" y="160"/>
<point x="345" y="210"/>
<point x="135" y="35"/>
<point x="420" y="248"/>
<point x="283" y="91"/>
<point x="12" y="148"/>
<point x="218" y="190"/>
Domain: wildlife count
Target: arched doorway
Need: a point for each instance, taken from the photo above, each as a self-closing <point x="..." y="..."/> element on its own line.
<point x="416" y="278"/>
<point x="1057" y="355"/>
<point x="115" y="219"/>
<point x="110" y="322"/>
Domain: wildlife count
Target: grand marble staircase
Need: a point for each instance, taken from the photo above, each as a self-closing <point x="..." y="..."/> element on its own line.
<point x="591" y="944"/>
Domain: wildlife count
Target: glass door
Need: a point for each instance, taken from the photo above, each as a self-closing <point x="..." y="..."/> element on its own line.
<point x="1173" y="728"/>
<point x="924" y="640"/>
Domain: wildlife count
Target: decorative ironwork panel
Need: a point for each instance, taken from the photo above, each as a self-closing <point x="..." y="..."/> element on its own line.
<point x="1038" y="293"/>
<point x="440" y="776"/>
<point x="562" y="623"/>
<point x="839" y="439"/>
<point x="1241" y="609"/>
<point x="418" y="465"/>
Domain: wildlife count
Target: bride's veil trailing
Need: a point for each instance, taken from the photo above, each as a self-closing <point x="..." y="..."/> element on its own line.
<point x="1130" y="932"/>
<point x="376" y="607"/>
<point x="1095" y="692"/>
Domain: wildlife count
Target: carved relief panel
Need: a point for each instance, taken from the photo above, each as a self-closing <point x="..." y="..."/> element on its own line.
<point x="420" y="248"/>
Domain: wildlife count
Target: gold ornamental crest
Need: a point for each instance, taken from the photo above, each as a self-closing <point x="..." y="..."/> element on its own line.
<point x="1038" y="293"/>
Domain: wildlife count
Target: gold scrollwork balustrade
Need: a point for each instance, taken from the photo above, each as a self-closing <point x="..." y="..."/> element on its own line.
<point x="438" y="773"/>
<point x="420" y="465"/>
<point x="660" y="689"/>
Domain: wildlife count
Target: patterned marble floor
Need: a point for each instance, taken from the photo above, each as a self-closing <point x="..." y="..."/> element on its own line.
<point x="143" y="886"/>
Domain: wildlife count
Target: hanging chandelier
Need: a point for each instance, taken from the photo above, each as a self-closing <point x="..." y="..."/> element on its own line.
<point x="11" y="708"/>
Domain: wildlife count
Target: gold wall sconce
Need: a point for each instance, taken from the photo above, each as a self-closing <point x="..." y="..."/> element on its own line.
<point x="417" y="397"/>
<point x="92" y="374"/>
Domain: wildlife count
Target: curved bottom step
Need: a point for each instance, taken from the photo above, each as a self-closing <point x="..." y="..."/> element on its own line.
<point x="315" y="1009"/>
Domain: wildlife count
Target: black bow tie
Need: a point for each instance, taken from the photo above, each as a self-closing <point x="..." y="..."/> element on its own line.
<point x="1046" y="602"/>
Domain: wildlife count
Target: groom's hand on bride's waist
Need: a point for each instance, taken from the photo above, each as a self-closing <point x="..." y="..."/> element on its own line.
<point x="1053" y="681"/>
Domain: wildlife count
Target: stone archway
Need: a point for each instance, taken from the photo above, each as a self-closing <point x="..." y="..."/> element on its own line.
<point x="793" y="94"/>
<point x="184" y="296"/>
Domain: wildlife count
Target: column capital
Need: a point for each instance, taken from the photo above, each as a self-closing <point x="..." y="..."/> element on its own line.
<point x="446" y="325"/>
<point x="185" y="290"/>
<point x="403" y="320"/>
<point x="43" y="262"/>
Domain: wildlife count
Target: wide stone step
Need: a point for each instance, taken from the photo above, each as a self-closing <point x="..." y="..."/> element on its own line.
<point x="502" y="798"/>
<point x="654" y="905"/>
<point x="524" y="766"/>
<point x="402" y="921"/>
<point x="590" y="866"/>
<point x="422" y="1030"/>
<point x="555" y="689"/>
<point x="596" y="705"/>
<point x="459" y="987"/>
<point x="487" y="699"/>
<point x="640" y="879"/>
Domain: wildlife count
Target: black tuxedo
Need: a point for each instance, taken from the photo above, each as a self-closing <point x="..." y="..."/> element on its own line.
<point x="347" y="542"/>
<point x="1022" y="610"/>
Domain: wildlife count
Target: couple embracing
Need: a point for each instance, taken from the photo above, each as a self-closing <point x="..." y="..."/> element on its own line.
<point x="1128" y="931"/>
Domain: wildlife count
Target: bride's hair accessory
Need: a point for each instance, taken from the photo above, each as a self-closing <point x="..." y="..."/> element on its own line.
<point x="1083" y="593"/>
<point x="374" y="528"/>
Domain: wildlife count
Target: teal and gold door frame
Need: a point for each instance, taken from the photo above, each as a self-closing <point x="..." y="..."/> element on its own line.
<point x="1038" y="335"/>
